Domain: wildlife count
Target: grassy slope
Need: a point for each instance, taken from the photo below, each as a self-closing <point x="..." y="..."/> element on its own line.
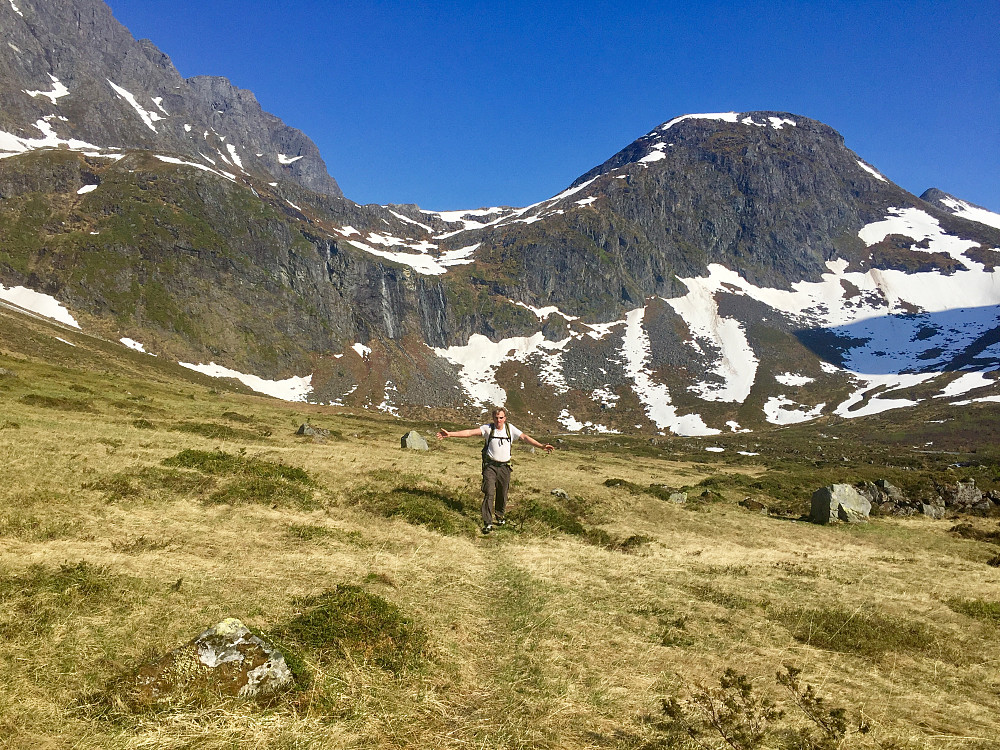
<point x="536" y="637"/>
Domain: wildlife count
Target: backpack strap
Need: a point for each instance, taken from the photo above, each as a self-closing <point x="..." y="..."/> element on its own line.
<point x="486" y="445"/>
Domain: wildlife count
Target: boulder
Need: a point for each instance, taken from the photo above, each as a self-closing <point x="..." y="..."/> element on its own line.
<point x="318" y="434"/>
<point x="961" y="495"/>
<point x="932" y="510"/>
<point x="839" y="502"/>
<point x="558" y="492"/>
<point x="414" y="441"/>
<point x="227" y="659"/>
<point x="678" y="497"/>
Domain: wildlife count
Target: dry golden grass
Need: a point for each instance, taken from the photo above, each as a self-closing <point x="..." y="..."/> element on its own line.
<point x="536" y="638"/>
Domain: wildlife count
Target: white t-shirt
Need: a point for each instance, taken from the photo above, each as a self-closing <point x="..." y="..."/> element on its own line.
<point x="499" y="449"/>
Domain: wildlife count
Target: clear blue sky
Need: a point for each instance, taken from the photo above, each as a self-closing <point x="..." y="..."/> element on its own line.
<point x="467" y="104"/>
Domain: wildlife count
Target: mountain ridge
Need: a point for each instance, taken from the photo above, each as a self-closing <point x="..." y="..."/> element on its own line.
<point x="714" y="274"/>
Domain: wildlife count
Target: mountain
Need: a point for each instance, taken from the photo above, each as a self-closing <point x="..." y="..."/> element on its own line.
<point x="723" y="272"/>
<point x="72" y="75"/>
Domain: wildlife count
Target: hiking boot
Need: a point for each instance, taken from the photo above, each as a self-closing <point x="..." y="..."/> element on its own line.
<point x="501" y="521"/>
<point x="487" y="529"/>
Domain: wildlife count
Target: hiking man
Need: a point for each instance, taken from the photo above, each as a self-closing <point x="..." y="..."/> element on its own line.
<point x="496" y="463"/>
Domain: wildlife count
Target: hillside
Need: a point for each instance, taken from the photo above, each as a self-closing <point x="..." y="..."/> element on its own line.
<point x="145" y="502"/>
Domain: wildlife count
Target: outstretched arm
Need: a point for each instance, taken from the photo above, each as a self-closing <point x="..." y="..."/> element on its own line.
<point x="528" y="439"/>
<point x="474" y="432"/>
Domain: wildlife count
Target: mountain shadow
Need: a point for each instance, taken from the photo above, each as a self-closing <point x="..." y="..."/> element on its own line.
<point x="961" y="338"/>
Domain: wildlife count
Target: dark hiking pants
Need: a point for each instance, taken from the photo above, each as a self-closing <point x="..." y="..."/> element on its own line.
<point x="496" y="483"/>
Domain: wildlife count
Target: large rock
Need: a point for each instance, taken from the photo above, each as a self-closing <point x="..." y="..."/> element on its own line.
<point x="414" y="441"/>
<point x="318" y="434"/>
<point x="839" y="502"/>
<point x="962" y="495"/>
<point x="227" y="659"/>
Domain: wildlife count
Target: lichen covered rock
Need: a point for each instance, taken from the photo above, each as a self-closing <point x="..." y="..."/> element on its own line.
<point x="225" y="660"/>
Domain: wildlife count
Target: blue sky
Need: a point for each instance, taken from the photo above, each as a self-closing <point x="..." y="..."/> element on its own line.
<point x="467" y="104"/>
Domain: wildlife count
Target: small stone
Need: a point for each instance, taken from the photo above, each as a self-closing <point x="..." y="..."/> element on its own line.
<point x="561" y="493"/>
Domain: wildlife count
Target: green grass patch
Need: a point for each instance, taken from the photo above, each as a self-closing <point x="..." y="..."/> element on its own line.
<point x="220" y="463"/>
<point x="30" y="528"/>
<point x="235" y="416"/>
<point x="977" y="609"/>
<point x="350" y="621"/>
<point x="150" y="480"/>
<point x="307" y="532"/>
<point x="220" y="431"/>
<point x="265" y="491"/>
<point x="245" y="479"/>
<point x="62" y="403"/>
<point x="433" y="508"/>
<point x="865" y="632"/>
<point x="36" y="601"/>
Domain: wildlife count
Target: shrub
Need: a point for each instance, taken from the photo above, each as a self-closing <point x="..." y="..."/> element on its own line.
<point x="734" y="716"/>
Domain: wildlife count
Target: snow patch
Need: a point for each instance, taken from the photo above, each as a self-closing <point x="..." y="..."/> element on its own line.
<point x="972" y="213"/>
<point x="133" y="344"/>
<point x="37" y="303"/>
<point x="724" y="116"/>
<point x="58" y="90"/>
<point x="791" y="380"/>
<point x="655" y="397"/>
<point x="289" y="389"/>
<point x="737" y="364"/>
<point x="965" y="383"/>
<point x="362" y="350"/>
<point x="86" y="189"/>
<point x="544" y="312"/>
<point x="202" y="167"/>
<point x="148" y="117"/>
<point x="777" y="411"/>
<point x="233" y="155"/>
<point x="871" y="171"/>
<point x="12" y="144"/>
<point x="872" y="386"/>
<point x="289" y="159"/>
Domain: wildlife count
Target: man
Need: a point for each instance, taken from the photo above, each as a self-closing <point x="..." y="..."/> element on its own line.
<point x="496" y="463"/>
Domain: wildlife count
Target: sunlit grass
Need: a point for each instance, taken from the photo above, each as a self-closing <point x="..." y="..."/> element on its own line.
<point x="122" y="538"/>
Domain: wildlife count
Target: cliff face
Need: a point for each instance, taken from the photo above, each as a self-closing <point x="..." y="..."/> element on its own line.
<point x="721" y="272"/>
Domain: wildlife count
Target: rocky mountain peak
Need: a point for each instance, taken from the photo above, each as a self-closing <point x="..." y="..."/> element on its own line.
<point x="71" y="74"/>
